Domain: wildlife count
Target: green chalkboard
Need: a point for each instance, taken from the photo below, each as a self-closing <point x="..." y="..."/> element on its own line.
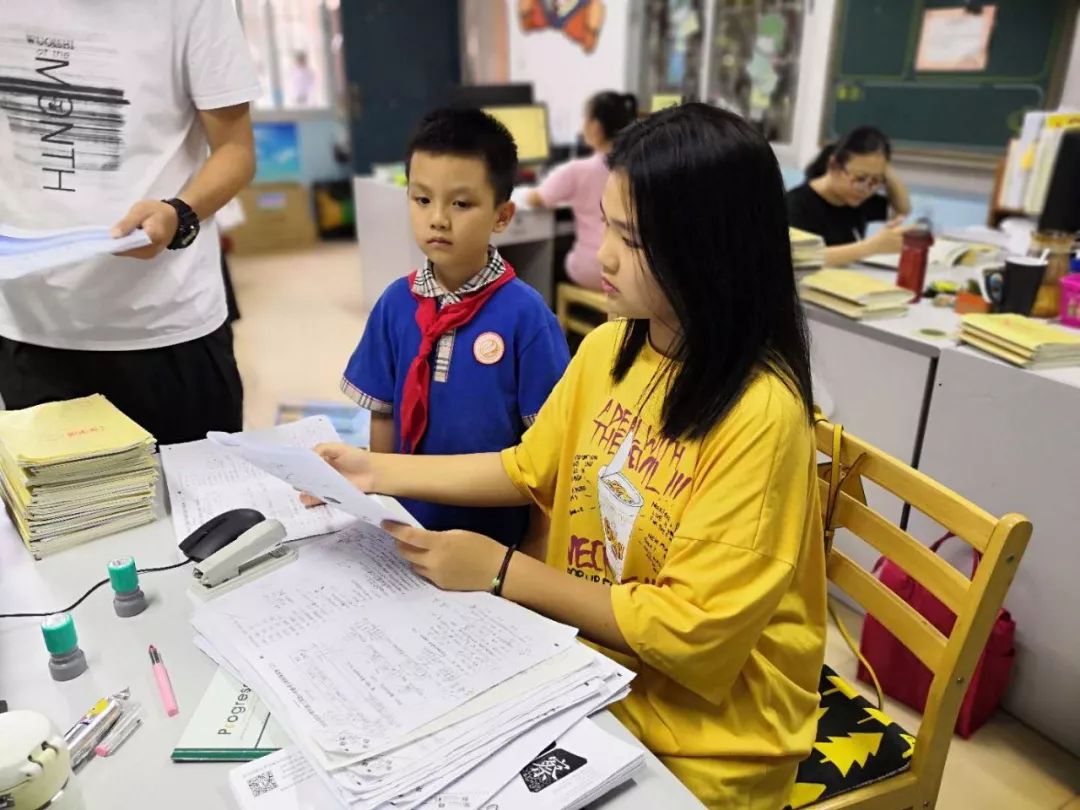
<point x="874" y="80"/>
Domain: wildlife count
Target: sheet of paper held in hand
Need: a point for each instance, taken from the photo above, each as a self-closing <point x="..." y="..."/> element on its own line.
<point x="306" y="471"/>
<point x="25" y="252"/>
<point x="205" y="479"/>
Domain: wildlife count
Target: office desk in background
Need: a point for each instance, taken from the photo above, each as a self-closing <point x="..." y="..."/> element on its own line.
<point x="141" y="774"/>
<point x="878" y="377"/>
<point x="1007" y="439"/>
<point x="388" y="250"/>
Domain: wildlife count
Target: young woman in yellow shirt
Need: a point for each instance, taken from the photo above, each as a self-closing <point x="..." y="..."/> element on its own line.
<point x="676" y="462"/>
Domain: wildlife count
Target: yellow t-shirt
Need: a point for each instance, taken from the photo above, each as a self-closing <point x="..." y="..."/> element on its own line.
<point x="713" y="549"/>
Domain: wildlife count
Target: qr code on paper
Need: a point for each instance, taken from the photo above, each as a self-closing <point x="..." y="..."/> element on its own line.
<point x="263" y="783"/>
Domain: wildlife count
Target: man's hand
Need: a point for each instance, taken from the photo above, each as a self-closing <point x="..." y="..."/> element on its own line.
<point x="453" y="561"/>
<point x="157" y="218"/>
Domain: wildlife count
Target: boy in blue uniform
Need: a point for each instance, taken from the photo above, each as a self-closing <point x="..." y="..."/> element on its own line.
<point x="458" y="356"/>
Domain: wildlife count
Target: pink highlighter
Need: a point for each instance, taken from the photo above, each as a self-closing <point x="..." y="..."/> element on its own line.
<point x="164" y="685"/>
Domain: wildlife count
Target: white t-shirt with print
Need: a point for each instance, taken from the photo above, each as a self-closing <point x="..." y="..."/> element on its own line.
<point x="98" y="108"/>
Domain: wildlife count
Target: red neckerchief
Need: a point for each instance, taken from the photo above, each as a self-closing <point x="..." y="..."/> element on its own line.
<point x="434" y="323"/>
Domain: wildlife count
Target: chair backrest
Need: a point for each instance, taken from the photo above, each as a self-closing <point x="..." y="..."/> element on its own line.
<point x="975" y="602"/>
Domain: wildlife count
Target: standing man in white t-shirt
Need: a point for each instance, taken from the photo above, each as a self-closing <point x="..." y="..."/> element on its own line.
<point x="134" y="113"/>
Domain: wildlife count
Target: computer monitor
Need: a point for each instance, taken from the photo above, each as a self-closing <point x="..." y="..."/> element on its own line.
<point x="529" y="126"/>
<point x="1062" y="209"/>
<point x="491" y="95"/>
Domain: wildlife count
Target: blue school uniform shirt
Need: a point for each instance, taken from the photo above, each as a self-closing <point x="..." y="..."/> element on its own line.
<point x="489" y="379"/>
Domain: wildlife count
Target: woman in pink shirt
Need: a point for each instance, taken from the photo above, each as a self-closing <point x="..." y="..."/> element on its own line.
<point x="580" y="183"/>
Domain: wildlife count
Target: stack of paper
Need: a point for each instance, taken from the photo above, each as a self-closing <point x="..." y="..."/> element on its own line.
<point x="1025" y="342"/>
<point x="73" y="471"/>
<point x="854" y="295"/>
<point x="582" y="765"/>
<point x="396" y="692"/>
<point x="23" y="252"/>
<point x="807" y="249"/>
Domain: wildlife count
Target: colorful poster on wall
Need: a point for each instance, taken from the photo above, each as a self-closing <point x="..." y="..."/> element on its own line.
<point x="580" y="20"/>
<point x="277" y="152"/>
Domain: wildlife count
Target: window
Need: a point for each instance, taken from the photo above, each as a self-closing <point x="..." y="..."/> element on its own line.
<point x="754" y="62"/>
<point x="296" y="48"/>
<point x="751" y="63"/>
<point x="672" y="52"/>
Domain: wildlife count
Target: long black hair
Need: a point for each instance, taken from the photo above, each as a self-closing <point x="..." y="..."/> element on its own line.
<point x="613" y="111"/>
<point x="707" y="204"/>
<point x="860" y="141"/>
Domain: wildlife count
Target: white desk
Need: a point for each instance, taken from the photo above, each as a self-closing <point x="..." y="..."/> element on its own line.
<point x="141" y="774"/>
<point x="879" y="376"/>
<point x="388" y="250"/>
<point x="1007" y="439"/>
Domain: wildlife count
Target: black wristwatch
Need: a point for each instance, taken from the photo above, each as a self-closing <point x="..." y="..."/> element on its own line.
<point x="187" y="225"/>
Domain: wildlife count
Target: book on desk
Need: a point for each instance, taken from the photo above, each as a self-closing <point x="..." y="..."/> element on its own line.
<point x="1024" y="342"/>
<point x="854" y="295"/>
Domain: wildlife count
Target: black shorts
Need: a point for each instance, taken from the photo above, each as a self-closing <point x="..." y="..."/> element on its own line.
<point x="177" y="393"/>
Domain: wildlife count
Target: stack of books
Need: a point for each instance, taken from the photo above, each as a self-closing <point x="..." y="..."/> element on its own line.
<point x="1029" y="162"/>
<point x="807" y="249"/>
<point x="74" y="471"/>
<point x="855" y="295"/>
<point x="1024" y="342"/>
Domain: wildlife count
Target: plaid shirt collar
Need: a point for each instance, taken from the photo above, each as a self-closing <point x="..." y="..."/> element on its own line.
<point x="427" y="286"/>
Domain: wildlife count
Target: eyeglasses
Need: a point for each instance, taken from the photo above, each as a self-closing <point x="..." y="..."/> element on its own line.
<point x="869" y="182"/>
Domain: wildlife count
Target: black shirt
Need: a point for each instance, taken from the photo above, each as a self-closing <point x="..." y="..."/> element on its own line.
<point x="836" y="224"/>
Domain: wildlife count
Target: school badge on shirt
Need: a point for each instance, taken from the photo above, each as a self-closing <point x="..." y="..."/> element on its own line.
<point x="489" y="348"/>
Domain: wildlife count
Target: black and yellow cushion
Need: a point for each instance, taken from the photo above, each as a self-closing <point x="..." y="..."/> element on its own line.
<point x="856" y="745"/>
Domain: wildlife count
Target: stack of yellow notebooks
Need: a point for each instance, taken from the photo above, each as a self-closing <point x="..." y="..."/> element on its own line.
<point x="73" y="471"/>
<point x="1024" y="342"/>
<point x="855" y="295"/>
<point x="807" y="249"/>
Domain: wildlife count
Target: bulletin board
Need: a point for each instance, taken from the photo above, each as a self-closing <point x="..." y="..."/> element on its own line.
<point x="915" y="69"/>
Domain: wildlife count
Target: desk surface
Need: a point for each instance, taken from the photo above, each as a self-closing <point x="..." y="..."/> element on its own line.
<point x="116" y="649"/>
<point x="906" y="332"/>
<point x="910" y="331"/>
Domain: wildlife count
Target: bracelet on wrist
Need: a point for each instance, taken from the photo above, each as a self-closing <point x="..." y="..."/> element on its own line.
<point x="497" y="583"/>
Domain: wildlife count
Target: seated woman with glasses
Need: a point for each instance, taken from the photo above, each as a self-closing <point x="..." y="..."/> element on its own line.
<point x="840" y="196"/>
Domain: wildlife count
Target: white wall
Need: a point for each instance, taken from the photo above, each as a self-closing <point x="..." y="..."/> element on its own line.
<point x="1070" y="94"/>
<point x="563" y="75"/>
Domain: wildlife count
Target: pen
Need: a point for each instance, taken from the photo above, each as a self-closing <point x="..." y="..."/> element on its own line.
<point x="130" y="720"/>
<point x="90" y="728"/>
<point x="164" y="685"/>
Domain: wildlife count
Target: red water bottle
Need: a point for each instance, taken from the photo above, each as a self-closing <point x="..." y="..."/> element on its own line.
<point x="913" y="258"/>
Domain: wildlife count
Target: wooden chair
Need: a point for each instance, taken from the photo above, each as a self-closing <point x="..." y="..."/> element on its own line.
<point x="976" y="602"/>
<point x="568" y="295"/>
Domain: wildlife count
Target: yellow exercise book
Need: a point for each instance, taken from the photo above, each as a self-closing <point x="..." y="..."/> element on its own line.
<point x="1028" y="333"/>
<point x="1025" y="342"/>
<point x="72" y="471"/>
<point x="858" y="288"/>
<point x="802" y="238"/>
<point x="59" y="432"/>
<point x="807" y="249"/>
